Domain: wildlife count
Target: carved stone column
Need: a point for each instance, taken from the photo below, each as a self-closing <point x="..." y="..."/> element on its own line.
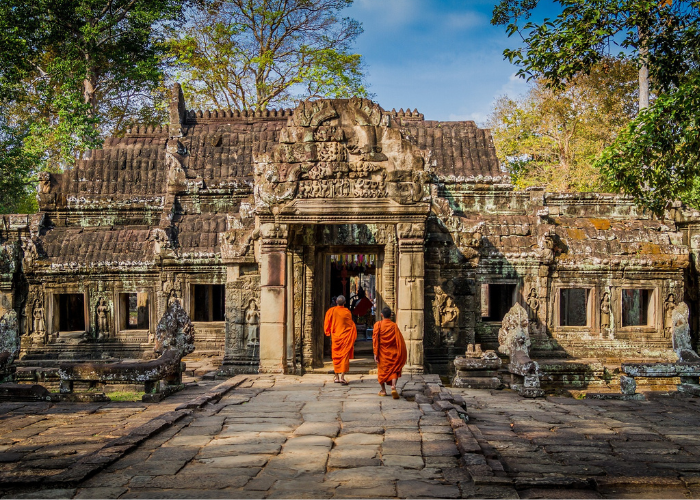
<point x="273" y="298"/>
<point x="410" y="303"/>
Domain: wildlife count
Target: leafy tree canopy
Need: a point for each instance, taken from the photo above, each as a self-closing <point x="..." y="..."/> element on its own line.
<point x="74" y="71"/>
<point x="254" y="54"/>
<point x="552" y="136"/>
<point x="652" y="158"/>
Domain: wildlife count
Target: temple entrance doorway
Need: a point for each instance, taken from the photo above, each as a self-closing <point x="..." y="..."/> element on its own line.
<point x="356" y="274"/>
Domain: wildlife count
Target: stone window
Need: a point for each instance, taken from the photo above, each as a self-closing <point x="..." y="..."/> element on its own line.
<point x="69" y="312"/>
<point x="208" y="302"/>
<point x="496" y="300"/>
<point x="637" y="307"/>
<point x="134" y="311"/>
<point x="574" y="307"/>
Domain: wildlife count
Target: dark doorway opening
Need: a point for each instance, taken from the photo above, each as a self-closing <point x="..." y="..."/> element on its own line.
<point x="134" y="311"/>
<point x="71" y="312"/>
<point x="496" y="300"/>
<point x="208" y="302"/>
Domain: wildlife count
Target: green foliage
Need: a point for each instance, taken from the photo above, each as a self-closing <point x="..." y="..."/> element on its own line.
<point x="16" y="174"/>
<point x="552" y="136"/>
<point x="652" y="159"/>
<point x="657" y="157"/>
<point x="74" y="71"/>
<point x="255" y="54"/>
<point x="128" y="396"/>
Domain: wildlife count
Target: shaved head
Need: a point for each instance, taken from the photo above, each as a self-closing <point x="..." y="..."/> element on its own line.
<point x="340" y="300"/>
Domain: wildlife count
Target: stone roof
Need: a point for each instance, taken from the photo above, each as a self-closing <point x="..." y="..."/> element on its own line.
<point x="86" y="247"/>
<point x="199" y="234"/>
<point x="220" y="146"/>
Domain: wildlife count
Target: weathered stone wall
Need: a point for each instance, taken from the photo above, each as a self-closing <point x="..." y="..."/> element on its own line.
<point x="254" y="202"/>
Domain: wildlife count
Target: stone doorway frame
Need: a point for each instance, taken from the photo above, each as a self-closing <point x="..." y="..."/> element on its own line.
<point x="277" y="263"/>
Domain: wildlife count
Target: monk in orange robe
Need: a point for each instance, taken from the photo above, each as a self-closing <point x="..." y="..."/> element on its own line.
<point x="389" y="352"/>
<point x="343" y="332"/>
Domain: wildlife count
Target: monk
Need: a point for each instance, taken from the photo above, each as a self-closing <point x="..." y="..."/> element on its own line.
<point x="389" y="352"/>
<point x="343" y="332"/>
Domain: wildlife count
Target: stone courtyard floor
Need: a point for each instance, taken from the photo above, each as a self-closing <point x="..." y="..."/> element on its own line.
<point x="306" y="437"/>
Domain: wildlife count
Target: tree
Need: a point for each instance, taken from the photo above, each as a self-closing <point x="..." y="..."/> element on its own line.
<point x="650" y="159"/>
<point x="552" y="136"/>
<point x="74" y="71"/>
<point x="17" y="179"/>
<point x="254" y="54"/>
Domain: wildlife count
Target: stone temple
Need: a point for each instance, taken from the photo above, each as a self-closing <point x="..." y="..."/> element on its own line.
<point x="254" y="220"/>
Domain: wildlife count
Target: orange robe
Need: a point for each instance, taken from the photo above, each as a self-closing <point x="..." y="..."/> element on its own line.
<point x="390" y="350"/>
<point x="340" y="326"/>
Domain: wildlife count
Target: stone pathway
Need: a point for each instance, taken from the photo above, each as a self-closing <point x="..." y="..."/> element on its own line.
<point x="44" y="441"/>
<point x="294" y="437"/>
<point x="611" y="449"/>
<point x="306" y="437"/>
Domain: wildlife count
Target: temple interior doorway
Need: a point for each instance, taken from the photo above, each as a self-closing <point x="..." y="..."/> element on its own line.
<point x="354" y="275"/>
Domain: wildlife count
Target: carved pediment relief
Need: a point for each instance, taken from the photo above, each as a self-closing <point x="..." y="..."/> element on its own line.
<point x="341" y="149"/>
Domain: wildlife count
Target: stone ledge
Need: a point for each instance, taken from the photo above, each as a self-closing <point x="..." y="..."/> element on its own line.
<point x="117" y="448"/>
<point x="214" y="395"/>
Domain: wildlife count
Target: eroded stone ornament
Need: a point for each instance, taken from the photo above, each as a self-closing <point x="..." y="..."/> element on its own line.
<point x="515" y="342"/>
<point x="9" y="341"/>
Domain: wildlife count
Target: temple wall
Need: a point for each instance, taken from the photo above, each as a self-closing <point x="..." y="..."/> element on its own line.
<point x="234" y="214"/>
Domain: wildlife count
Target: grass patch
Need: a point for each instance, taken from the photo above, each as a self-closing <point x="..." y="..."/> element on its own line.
<point x="125" y="395"/>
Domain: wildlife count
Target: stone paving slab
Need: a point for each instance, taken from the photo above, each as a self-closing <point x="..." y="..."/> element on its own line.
<point x="567" y="448"/>
<point x="305" y="437"/>
<point x="62" y="443"/>
<point x="256" y="442"/>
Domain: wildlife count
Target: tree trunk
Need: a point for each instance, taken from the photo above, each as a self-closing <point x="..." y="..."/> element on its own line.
<point x="89" y="87"/>
<point x="643" y="72"/>
<point x="643" y="87"/>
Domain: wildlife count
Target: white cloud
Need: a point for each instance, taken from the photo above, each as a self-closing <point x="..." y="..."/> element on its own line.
<point x="515" y="87"/>
<point x="392" y="13"/>
<point x="478" y="117"/>
<point x="464" y="20"/>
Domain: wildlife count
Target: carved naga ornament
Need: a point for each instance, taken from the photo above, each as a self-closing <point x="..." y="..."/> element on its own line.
<point x="340" y="149"/>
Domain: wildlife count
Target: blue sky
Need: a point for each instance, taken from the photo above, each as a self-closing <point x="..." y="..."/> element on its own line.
<point x="440" y="56"/>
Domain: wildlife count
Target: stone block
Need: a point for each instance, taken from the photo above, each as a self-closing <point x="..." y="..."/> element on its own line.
<point x="410" y="323"/>
<point x="272" y="304"/>
<point x="272" y="352"/>
<point x="411" y="264"/>
<point x="273" y="269"/>
<point x="477" y="382"/>
<point x="411" y="294"/>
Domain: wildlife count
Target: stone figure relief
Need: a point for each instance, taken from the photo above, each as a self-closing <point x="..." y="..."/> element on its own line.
<point x="605" y="311"/>
<point x="252" y="322"/>
<point x="102" y="324"/>
<point x="669" y="306"/>
<point x="38" y="323"/>
<point x="545" y="250"/>
<point x="682" y="344"/>
<point x="173" y="297"/>
<point x="533" y="302"/>
<point x="446" y="315"/>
